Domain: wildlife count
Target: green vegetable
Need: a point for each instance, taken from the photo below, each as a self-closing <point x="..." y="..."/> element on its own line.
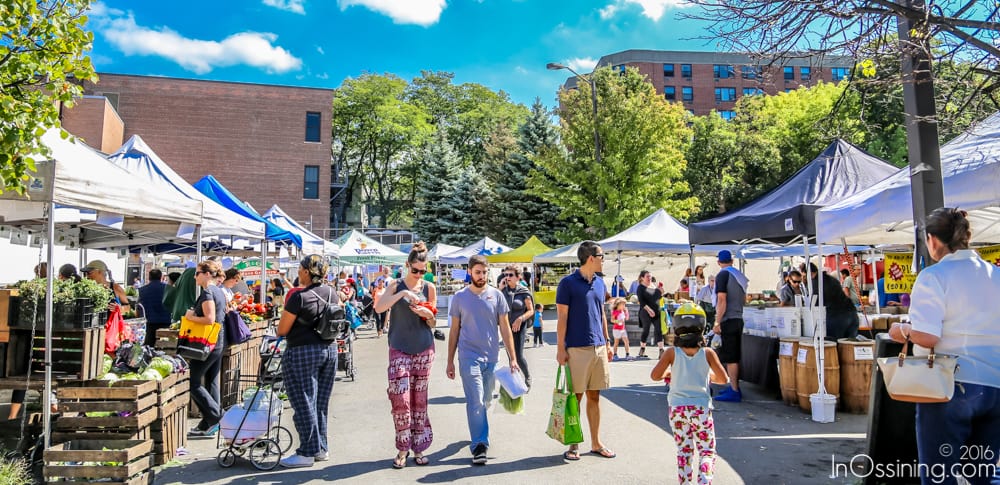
<point x="111" y="377"/>
<point x="106" y="365"/>
<point x="161" y="365"/>
<point x="99" y="414"/>
<point x="132" y="376"/>
<point x="511" y="405"/>
<point x="151" y="375"/>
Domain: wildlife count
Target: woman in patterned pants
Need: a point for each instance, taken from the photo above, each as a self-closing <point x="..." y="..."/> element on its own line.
<point x="411" y="355"/>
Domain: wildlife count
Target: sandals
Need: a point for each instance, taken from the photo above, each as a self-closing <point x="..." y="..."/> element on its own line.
<point x="400" y="461"/>
<point x="571" y="455"/>
<point x="604" y="453"/>
<point x="421" y="460"/>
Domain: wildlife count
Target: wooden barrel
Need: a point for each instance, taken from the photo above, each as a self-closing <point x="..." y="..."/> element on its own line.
<point x="856" y="360"/>
<point x="788" y="348"/>
<point x="806" y="378"/>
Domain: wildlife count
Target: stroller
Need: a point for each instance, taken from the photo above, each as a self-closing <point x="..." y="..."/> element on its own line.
<point x="253" y="427"/>
<point x="345" y="342"/>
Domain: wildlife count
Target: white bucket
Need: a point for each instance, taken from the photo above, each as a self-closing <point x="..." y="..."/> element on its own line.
<point x="513" y="383"/>
<point x="823" y="407"/>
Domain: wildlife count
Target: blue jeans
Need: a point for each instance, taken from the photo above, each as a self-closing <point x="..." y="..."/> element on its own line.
<point x="477" y="381"/>
<point x="970" y="425"/>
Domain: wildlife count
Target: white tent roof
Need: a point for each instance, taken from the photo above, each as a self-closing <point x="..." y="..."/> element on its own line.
<point x="484" y="246"/>
<point x="311" y="243"/>
<point x="565" y="254"/>
<point x="883" y="213"/>
<point x="356" y="248"/>
<point x="136" y="157"/>
<point x="441" y="249"/>
<point x="128" y="211"/>
<point x="658" y="233"/>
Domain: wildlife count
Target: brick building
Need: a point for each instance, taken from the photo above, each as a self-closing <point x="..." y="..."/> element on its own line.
<point x="706" y="81"/>
<point x="267" y="144"/>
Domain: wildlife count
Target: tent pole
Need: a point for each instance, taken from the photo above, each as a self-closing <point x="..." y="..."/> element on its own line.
<point x="263" y="271"/>
<point x="46" y="405"/>
<point x="693" y="281"/>
<point x="821" y="330"/>
<point x="197" y="242"/>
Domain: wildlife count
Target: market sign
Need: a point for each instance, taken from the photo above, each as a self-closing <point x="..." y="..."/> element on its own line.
<point x="990" y="254"/>
<point x="250" y="268"/>
<point x="898" y="275"/>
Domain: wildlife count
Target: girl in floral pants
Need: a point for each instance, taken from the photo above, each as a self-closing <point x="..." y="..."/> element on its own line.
<point x="689" y="367"/>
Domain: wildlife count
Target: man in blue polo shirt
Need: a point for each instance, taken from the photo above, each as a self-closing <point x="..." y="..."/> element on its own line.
<point x="582" y="338"/>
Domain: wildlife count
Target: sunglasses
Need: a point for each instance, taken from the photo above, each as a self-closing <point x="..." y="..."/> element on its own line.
<point x="418" y="271"/>
<point x="795" y="281"/>
<point x="601" y="255"/>
<point x="196" y="273"/>
<point x="509" y="275"/>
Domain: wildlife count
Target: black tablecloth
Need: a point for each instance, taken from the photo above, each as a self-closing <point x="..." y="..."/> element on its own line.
<point x="759" y="362"/>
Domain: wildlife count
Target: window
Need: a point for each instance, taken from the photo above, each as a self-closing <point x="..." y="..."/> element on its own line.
<point x="727" y="114"/>
<point x="722" y="71"/>
<point x="670" y="93"/>
<point x="312" y="126"/>
<point x="310" y="186"/>
<point x="668" y="70"/>
<point x="789" y="73"/>
<point x="840" y="73"/>
<point x="805" y="73"/>
<point x="725" y="94"/>
<point x="750" y="72"/>
<point x="687" y="93"/>
<point x="752" y="91"/>
<point x="685" y="70"/>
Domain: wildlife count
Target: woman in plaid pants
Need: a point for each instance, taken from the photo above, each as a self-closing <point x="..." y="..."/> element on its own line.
<point x="411" y="354"/>
<point x="309" y="364"/>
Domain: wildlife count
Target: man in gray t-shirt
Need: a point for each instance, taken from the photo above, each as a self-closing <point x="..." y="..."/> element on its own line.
<point x="731" y="290"/>
<point x="478" y="321"/>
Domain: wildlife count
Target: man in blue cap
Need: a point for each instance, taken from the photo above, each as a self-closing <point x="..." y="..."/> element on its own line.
<point x="731" y="290"/>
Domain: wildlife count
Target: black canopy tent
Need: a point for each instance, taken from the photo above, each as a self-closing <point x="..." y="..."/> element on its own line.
<point x="787" y="212"/>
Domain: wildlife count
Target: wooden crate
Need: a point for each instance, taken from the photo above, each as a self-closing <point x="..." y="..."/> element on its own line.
<point x="172" y="393"/>
<point x="73" y="462"/>
<point x="169" y="433"/>
<point x="76" y="353"/>
<point x="137" y="397"/>
<point x="166" y="340"/>
<point x="8" y="312"/>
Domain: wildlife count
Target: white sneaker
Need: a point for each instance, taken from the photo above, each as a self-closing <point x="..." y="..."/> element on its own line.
<point x="297" y="461"/>
<point x="322" y="456"/>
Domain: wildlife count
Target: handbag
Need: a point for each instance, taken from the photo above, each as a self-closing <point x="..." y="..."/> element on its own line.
<point x="116" y="331"/>
<point x="237" y="330"/>
<point x="564" y="420"/>
<point x="197" y="340"/>
<point x="927" y="379"/>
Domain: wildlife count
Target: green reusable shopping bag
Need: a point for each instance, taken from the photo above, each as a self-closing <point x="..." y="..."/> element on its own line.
<point x="564" y="420"/>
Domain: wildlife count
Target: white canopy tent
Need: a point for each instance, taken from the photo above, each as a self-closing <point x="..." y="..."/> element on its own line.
<point x="484" y="246"/>
<point x="657" y="233"/>
<point x="311" y="243"/>
<point x="441" y="249"/>
<point x="356" y="248"/>
<point x="883" y="214"/>
<point x="74" y="175"/>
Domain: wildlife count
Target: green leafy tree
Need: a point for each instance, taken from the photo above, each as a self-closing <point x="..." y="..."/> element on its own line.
<point x="439" y="171"/>
<point x="643" y="139"/>
<point x="42" y="50"/>
<point x="376" y="132"/>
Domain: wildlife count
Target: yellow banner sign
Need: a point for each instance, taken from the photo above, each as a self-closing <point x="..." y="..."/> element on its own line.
<point x="990" y="254"/>
<point x="898" y="275"/>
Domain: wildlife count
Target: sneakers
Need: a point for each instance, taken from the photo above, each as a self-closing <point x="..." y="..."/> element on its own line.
<point x="615" y="358"/>
<point x="297" y="461"/>
<point x="198" y="432"/>
<point x="729" y="395"/>
<point x="322" y="456"/>
<point x="629" y="358"/>
<point x="479" y="454"/>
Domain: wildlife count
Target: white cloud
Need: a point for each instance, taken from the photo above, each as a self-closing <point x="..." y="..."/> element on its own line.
<point x="323" y="76"/>
<point x="295" y="6"/>
<point x="653" y="9"/>
<point x="254" y="49"/>
<point x="582" y="64"/>
<point x="418" y="12"/>
<point x="320" y="50"/>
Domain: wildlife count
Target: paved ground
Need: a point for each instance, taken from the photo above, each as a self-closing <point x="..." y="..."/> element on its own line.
<point x="759" y="441"/>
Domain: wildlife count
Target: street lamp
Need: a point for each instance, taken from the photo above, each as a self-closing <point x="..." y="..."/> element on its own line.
<point x="555" y="66"/>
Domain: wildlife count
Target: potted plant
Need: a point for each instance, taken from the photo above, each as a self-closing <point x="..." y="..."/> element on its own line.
<point x="74" y="304"/>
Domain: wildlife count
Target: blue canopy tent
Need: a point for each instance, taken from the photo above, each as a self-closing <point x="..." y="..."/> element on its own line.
<point x="219" y="193"/>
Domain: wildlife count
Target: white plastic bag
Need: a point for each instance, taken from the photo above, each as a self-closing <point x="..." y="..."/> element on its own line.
<point x="512" y="382"/>
<point x="257" y="423"/>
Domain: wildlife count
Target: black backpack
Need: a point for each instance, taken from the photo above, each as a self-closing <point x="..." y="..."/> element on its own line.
<point x="330" y="320"/>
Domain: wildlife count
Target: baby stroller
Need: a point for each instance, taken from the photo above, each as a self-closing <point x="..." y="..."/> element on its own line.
<point x="345" y="344"/>
<point x="253" y="427"/>
<point x="366" y="308"/>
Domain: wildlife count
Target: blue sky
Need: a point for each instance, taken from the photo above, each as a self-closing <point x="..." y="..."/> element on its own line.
<point x="503" y="44"/>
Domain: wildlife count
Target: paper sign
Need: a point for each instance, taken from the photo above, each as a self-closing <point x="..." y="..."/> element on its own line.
<point x="803" y="354"/>
<point x="4" y="232"/>
<point x="990" y="254"/>
<point x="36" y="240"/>
<point x="898" y="275"/>
<point x="789" y="225"/>
<point x="863" y="353"/>
<point x="785" y="348"/>
<point x="19" y="237"/>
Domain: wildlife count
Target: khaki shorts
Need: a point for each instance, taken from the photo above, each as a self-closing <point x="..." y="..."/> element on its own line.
<point x="589" y="368"/>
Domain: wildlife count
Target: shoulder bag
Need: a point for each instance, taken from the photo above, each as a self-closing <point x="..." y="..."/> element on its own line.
<point x="926" y="379"/>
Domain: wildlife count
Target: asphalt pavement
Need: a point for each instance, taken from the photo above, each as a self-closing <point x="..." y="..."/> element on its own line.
<point x="760" y="440"/>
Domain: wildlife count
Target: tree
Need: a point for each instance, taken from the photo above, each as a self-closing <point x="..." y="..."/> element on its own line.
<point x="642" y="137"/>
<point x="468" y="203"/>
<point x="524" y="213"/>
<point x="42" y="60"/>
<point x="439" y="171"/>
<point x="376" y="131"/>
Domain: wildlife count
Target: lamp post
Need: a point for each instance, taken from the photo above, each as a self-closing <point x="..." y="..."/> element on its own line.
<point x="555" y="66"/>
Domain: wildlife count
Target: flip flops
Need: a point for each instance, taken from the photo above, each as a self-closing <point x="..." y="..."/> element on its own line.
<point x="421" y="460"/>
<point x="603" y="452"/>
<point x="399" y="462"/>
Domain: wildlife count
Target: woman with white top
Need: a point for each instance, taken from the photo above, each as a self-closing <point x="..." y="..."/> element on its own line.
<point x="950" y="313"/>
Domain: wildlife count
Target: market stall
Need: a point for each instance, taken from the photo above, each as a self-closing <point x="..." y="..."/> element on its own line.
<point x="311" y="243"/>
<point x="522" y="254"/>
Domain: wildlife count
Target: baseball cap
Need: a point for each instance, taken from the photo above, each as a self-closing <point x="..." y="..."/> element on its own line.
<point x="96" y="264"/>
<point x="725" y="256"/>
<point x="350" y="281"/>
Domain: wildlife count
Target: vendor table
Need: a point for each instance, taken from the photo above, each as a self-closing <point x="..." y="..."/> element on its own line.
<point x="545" y="297"/>
<point x="759" y="362"/>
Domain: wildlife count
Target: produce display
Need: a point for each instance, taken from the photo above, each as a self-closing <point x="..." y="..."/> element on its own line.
<point x="250" y="311"/>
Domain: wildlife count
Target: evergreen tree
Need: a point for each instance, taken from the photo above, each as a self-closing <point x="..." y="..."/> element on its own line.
<point x="437" y="177"/>
<point x="467" y="204"/>
<point x="529" y="213"/>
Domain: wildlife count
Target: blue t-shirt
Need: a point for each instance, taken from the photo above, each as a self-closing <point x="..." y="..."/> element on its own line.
<point x="538" y="319"/>
<point x="479" y="316"/>
<point x="585" y="319"/>
<point x="883" y="297"/>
